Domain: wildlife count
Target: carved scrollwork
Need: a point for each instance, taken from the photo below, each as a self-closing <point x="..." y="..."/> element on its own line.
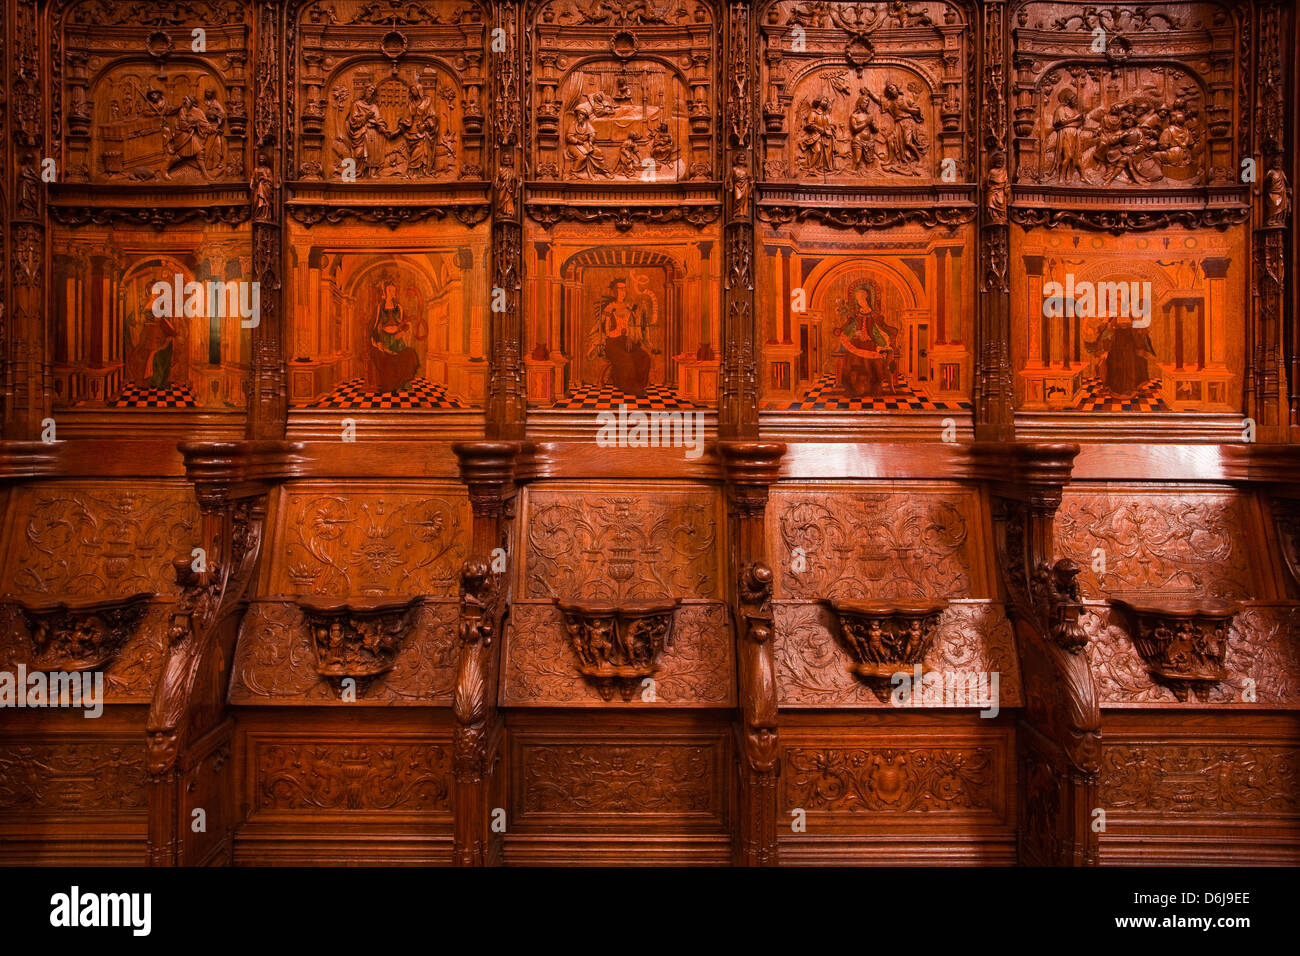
<point x="863" y="219"/>
<point x="1119" y="221"/>
<point x="392" y="216"/>
<point x="624" y="218"/>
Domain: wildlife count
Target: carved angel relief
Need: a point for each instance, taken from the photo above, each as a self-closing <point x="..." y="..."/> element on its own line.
<point x="391" y="91"/>
<point x="623" y="91"/>
<point x="153" y="94"/>
<point x="865" y="93"/>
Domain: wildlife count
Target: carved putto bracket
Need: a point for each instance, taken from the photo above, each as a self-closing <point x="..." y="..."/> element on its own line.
<point x="1183" y="643"/>
<point x="885" y="638"/>
<point x="618" y="646"/>
<point x="360" y="640"/>
<point x="82" y="635"/>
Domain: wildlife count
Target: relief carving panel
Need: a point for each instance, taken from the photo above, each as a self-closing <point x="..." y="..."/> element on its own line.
<point x="875" y="544"/>
<point x="972" y="641"/>
<point x="625" y="544"/>
<point x="1191" y="544"/>
<point x="1199" y="778"/>
<point x="352" y="776"/>
<point x="369" y="541"/>
<point x="275" y="662"/>
<point x="71" y="776"/>
<point x="885" y="780"/>
<point x="620" y="779"/>
<point x="865" y="93"/>
<point x="1261" y="648"/>
<point x="696" y="669"/>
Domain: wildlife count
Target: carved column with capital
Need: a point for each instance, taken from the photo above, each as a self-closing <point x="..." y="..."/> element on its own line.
<point x="488" y="469"/>
<point x="750" y="469"/>
<point x="994" y="419"/>
<point x="268" y="399"/>
<point x="506" y="399"/>
<point x="738" y="412"/>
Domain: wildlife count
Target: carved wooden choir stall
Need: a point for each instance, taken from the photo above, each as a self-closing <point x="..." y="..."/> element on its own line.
<point x="758" y="432"/>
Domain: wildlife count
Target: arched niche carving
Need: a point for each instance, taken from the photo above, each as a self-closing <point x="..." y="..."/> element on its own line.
<point x="866" y="94"/>
<point x="623" y="91"/>
<point x="149" y="93"/>
<point x="388" y="90"/>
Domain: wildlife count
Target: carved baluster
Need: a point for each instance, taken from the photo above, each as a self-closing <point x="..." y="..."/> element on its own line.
<point x="488" y="469"/>
<point x="1059" y="738"/>
<point x="750" y="469"/>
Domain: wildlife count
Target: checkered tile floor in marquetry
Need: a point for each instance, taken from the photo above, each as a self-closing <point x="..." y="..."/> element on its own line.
<point x="174" y="396"/>
<point x="1095" y="398"/>
<point x="607" y="396"/>
<point x="420" y="393"/>
<point x="823" y="396"/>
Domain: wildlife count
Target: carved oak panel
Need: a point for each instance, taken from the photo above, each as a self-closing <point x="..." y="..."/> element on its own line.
<point x="696" y="669"/>
<point x="368" y="540"/>
<point x="1222" y="777"/>
<point x="630" y="542"/>
<point x="972" y="642"/>
<point x="275" y="662"/>
<point x="1193" y="543"/>
<point x="876" y="541"/>
<point x="94" y="539"/>
<point x="340" y="778"/>
<point x="624" y="782"/>
<point x="1261" y="658"/>
<point x="875" y="780"/>
<point x="72" y="776"/>
<point x="866" y="93"/>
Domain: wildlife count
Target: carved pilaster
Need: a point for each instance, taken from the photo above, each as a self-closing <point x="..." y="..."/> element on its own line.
<point x="750" y="469"/>
<point x="188" y="728"/>
<point x="738" y="413"/>
<point x="993" y="390"/>
<point x="25" y="399"/>
<point x="1268" y="401"/>
<point x="506" y="399"/>
<point x="488" y="470"/>
<point x="1060" y="740"/>
<point x="268" y="408"/>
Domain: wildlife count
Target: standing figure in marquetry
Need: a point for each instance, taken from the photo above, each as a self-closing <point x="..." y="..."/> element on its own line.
<point x="393" y="363"/>
<point x="629" y="362"/>
<point x="1124" y="367"/>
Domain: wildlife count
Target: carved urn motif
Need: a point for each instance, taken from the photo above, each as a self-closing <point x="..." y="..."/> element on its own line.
<point x="359" y="640"/>
<point x="885" y="638"/>
<point x="618" y="646"/>
<point x="81" y="635"/>
<point x="1182" y="642"/>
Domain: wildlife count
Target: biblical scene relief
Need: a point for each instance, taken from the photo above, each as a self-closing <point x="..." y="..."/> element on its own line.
<point x="1138" y="323"/>
<point x="890" y="108"/>
<point x="642" y="109"/>
<point x="884" y="332"/>
<point x="161" y="112"/>
<point x="387" y="325"/>
<point x="1098" y="102"/>
<point x="391" y="91"/>
<point x="622" y="322"/>
<point x="1126" y="127"/>
<point x="138" y="323"/>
